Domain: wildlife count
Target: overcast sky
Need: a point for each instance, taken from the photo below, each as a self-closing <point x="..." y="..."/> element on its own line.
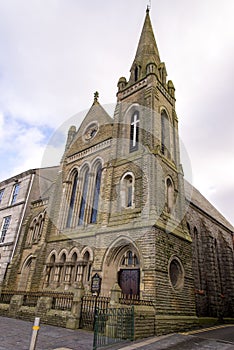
<point x="54" y="54"/>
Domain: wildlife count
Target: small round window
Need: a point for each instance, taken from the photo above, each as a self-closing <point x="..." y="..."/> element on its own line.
<point x="176" y="273"/>
<point x="90" y="131"/>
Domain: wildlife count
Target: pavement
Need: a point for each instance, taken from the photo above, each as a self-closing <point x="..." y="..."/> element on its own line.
<point x="16" y="335"/>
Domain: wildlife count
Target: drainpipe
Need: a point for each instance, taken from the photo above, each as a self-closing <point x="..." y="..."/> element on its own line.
<point x="22" y="217"/>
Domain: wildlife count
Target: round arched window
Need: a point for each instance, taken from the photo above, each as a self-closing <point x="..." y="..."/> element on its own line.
<point x="176" y="273"/>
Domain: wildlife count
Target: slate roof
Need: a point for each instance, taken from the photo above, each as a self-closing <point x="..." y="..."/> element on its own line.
<point x="195" y="197"/>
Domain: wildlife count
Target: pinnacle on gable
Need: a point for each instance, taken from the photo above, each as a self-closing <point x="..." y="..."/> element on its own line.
<point x="96" y="96"/>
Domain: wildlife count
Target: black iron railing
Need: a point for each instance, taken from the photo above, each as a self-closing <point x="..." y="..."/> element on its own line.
<point x="130" y="299"/>
<point x="60" y="301"/>
<point x="113" y="325"/>
<point x="5" y="297"/>
<point x="89" y="304"/>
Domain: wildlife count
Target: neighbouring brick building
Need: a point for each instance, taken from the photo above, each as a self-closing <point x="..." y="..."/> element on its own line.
<point x="121" y="211"/>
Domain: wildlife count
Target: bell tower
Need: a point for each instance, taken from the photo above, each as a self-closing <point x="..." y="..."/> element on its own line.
<point x="148" y="130"/>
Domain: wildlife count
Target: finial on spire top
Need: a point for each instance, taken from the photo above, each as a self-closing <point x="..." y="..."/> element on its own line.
<point x="96" y="96"/>
<point x="148" y="7"/>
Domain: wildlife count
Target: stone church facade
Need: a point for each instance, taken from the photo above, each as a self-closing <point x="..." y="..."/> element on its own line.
<point x="121" y="209"/>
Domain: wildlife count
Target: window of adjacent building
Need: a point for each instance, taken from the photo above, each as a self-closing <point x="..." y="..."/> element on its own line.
<point x="84" y="197"/>
<point x="72" y="200"/>
<point x="5" y="226"/>
<point x="134" y="131"/>
<point x="1" y="194"/>
<point x="127" y="191"/>
<point x="15" y="193"/>
<point x="96" y="194"/>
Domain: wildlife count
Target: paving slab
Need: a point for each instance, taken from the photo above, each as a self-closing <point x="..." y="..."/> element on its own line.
<point x="16" y="334"/>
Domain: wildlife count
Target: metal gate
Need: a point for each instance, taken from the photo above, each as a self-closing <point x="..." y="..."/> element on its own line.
<point x="113" y="325"/>
<point x="89" y="304"/>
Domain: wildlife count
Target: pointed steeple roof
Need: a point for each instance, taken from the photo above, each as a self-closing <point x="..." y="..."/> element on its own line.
<point x="147" y="50"/>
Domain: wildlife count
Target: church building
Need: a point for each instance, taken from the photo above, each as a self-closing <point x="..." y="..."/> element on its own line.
<point x="122" y="211"/>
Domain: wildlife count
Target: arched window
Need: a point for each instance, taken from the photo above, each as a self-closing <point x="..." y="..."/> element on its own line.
<point x="127" y="191"/>
<point x="197" y="260"/>
<point x="31" y="233"/>
<point x="165" y="134"/>
<point x="188" y="227"/>
<point x="134" y="131"/>
<point x="50" y="270"/>
<point x="61" y="272"/>
<point x="87" y="267"/>
<point x="130" y="259"/>
<point x="26" y="275"/>
<point x="169" y="195"/>
<point x="136" y="73"/>
<point x="74" y="267"/>
<point x="40" y="227"/>
<point x="72" y="199"/>
<point x="96" y="194"/>
<point x="84" y="197"/>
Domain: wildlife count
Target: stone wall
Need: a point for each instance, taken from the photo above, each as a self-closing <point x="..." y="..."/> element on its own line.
<point x="212" y="248"/>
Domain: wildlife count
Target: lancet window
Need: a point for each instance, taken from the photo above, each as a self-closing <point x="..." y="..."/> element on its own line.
<point x="127" y="190"/>
<point x="84" y="197"/>
<point x="72" y="199"/>
<point x="96" y="194"/>
<point x="165" y="134"/>
<point x="134" y="131"/>
<point x="169" y="195"/>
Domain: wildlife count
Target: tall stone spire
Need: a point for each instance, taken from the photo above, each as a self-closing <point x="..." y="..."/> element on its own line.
<point x="147" y="51"/>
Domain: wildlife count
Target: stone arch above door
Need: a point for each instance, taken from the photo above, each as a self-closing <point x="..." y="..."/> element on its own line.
<point x="122" y="255"/>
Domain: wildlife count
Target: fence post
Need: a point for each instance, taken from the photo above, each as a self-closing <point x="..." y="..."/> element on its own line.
<point x="133" y="324"/>
<point x="95" y="335"/>
<point x="116" y="292"/>
<point x="34" y="333"/>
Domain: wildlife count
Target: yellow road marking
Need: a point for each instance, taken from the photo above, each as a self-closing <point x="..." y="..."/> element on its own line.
<point x="206" y="329"/>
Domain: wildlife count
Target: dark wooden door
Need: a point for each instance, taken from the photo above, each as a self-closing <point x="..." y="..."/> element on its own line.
<point x="129" y="281"/>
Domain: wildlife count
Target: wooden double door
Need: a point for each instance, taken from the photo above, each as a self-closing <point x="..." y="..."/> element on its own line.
<point x="129" y="281"/>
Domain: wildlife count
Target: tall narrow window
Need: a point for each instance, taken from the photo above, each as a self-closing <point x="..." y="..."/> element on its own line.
<point x="87" y="267"/>
<point x="165" y="134"/>
<point x="96" y="195"/>
<point x="5" y="226"/>
<point x="134" y="131"/>
<point x="136" y="73"/>
<point x="127" y="191"/>
<point x="197" y="249"/>
<point x="84" y="198"/>
<point x="170" y="196"/>
<point x="15" y="193"/>
<point x="72" y="200"/>
<point x="1" y="194"/>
